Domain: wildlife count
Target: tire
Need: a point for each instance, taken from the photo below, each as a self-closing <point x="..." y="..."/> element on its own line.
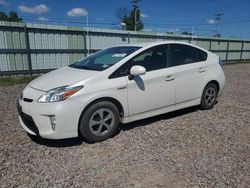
<point x="209" y="96"/>
<point x="99" y="122"/>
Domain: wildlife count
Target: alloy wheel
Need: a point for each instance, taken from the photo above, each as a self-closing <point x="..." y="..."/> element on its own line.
<point x="210" y="96"/>
<point x="101" y="122"/>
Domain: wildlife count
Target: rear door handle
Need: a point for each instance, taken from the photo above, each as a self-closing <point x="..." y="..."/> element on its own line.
<point x="169" y="78"/>
<point x="201" y="70"/>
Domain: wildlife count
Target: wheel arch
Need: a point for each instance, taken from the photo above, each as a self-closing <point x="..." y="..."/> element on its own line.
<point x="214" y="82"/>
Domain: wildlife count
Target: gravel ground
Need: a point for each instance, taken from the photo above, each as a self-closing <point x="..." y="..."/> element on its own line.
<point x="187" y="148"/>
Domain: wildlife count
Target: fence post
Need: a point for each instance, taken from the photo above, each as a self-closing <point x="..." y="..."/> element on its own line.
<point x="166" y="37"/>
<point x="241" y="51"/>
<point x="85" y="43"/>
<point x="89" y="41"/>
<point x="28" y="49"/>
<point x="210" y="44"/>
<point x="227" y="50"/>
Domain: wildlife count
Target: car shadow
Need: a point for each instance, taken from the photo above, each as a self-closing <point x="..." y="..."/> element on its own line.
<point x="57" y="143"/>
<point x="123" y="127"/>
<point x="166" y="116"/>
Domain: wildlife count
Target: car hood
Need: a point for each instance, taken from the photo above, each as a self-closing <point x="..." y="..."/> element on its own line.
<point x="61" y="77"/>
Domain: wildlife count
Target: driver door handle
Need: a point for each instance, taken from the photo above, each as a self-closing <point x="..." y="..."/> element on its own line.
<point x="169" y="78"/>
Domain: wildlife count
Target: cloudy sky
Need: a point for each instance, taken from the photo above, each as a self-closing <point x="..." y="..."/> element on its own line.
<point x="158" y="15"/>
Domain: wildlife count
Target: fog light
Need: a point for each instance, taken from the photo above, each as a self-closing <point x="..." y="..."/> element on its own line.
<point x="53" y="122"/>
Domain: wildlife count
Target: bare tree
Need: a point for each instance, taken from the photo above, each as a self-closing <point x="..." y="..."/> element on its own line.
<point x="122" y="12"/>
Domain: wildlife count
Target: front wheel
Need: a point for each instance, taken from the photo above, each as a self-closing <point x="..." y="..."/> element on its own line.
<point x="99" y="122"/>
<point x="209" y="96"/>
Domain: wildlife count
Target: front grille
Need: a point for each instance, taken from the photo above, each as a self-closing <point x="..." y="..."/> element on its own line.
<point x="28" y="121"/>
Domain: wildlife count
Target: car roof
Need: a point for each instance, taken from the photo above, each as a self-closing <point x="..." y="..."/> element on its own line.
<point x="148" y="44"/>
<point x="152" y="44"/>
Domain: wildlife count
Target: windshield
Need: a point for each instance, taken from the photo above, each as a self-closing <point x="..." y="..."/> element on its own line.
<point x="104" y="59"/>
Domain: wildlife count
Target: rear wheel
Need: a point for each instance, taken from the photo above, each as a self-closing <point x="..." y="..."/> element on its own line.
<point x="100" y="121"/>
<point x="209" y="96"/>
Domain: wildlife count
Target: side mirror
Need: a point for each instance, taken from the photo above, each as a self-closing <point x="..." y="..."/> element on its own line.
<point x="137" y="70"/>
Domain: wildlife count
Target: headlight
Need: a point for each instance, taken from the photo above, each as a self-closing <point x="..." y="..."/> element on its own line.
<point x="59" y="94"/>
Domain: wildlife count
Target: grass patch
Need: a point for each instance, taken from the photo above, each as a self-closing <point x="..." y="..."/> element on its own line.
<point x="236" y="62"/>
<point x="9" y="81"/>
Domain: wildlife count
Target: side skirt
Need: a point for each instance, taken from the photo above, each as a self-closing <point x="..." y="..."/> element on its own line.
<point x="164" y="110"/>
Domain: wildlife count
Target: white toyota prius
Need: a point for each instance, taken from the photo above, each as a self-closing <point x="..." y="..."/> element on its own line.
<point x="90" y="97"/>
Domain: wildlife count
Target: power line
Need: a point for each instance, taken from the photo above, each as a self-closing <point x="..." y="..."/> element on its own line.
<point x="198" y="27"/>
<point x="112" y="21"/>
<point x="163" y="26"/>
<point x="75" y="22"/>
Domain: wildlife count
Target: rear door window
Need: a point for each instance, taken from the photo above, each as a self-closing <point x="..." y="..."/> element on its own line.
<point x="183" y="54"/>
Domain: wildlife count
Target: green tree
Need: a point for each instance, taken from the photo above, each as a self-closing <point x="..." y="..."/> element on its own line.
<point x="12" y="17"/>
<point x="131" y="18"/>
<point x="217" y="35"/>
<point x="187" y="33"/>
<point x="3" y="16"/>
<point x="134" y="16"/>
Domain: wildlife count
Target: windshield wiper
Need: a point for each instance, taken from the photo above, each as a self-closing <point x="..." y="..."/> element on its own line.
<point x="84" y="67"/>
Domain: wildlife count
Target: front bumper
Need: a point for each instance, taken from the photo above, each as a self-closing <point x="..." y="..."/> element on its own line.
<point x="27" y="122"/>
<point x="35" y="117"/>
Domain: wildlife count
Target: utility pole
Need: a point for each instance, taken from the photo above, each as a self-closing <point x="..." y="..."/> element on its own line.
<point x="192" y="32"/>
<point x="135" y="5"/>
<point x="217" y="18"/>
